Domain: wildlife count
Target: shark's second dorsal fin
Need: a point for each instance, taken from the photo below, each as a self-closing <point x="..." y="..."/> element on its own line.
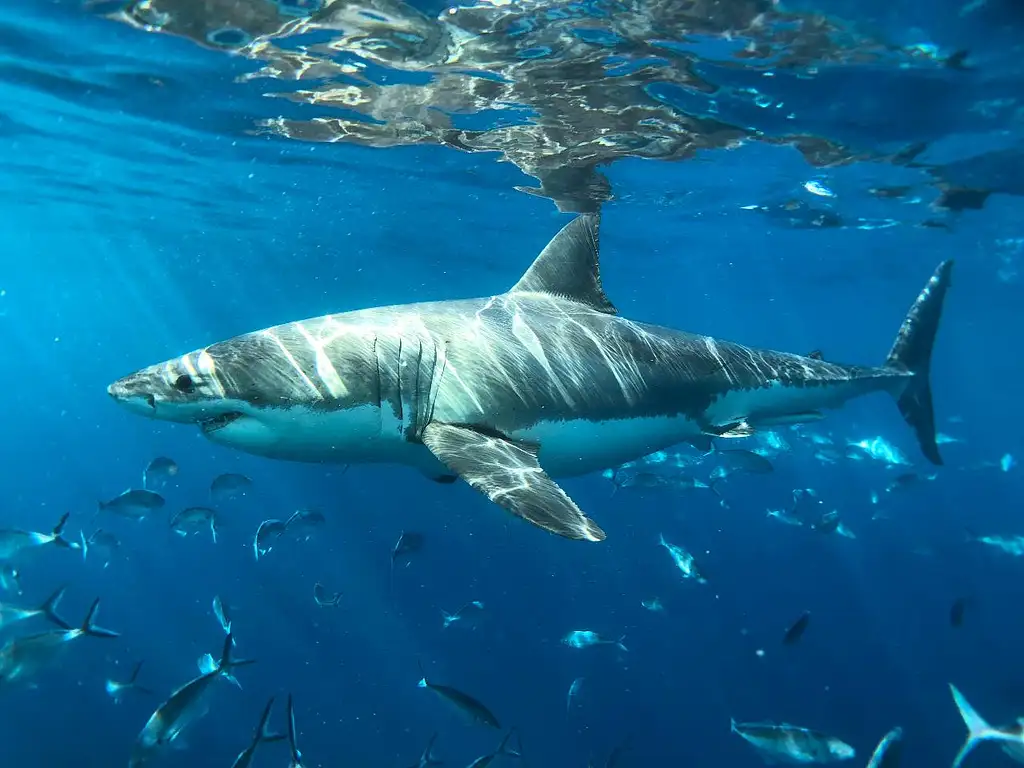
<point x="568" y="266"/>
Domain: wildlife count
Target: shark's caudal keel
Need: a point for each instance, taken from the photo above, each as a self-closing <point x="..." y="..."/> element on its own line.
<point x="512" y="390"/>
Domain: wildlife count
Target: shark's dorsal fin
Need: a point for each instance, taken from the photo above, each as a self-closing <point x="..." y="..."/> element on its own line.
<point x="568" y="266"/>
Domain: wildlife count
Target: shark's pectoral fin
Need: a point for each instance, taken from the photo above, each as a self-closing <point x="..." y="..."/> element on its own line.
<point x="509" y="474"/>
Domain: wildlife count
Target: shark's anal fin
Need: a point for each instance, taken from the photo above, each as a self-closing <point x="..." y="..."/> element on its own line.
<point x="509" y="474"/>
<point x="569" y="266"/>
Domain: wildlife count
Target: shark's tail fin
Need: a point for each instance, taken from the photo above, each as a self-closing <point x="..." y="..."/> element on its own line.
<point x="978" y="729"/>
<point x="912" y="353"/>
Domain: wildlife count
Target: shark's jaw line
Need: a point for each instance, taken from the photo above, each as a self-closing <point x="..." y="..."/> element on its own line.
<point x="510" y="391"/>
<point x="220" y="421"/>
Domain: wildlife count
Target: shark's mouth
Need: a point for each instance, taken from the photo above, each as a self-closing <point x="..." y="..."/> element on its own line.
<point x="219" y="421"/>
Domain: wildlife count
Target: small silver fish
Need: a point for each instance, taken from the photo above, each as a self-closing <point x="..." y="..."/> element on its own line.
<point x="102" y="544"/>
<point x="1011" y="738"/>
<point x="887" y="753"/>
<point x="207" y="664"/>
<point x="22" y="658"/>
<point x="880" y="449"/>
<point x="462" y="701"/>
<point x="324" y="599"/>
<point x="135" y="504"/>
<point x="117" y="690"/>
<point x="584" y="638"/>
<point x="192" y="519"/>
<point x="684" y="561"/>
<point x="229" y="486"/>
<point x="793" y="744"/>
<point x="10" y="614"/>
<point x="186" y="705"/>
<point x="451" y="618"/>
<point x="220" y="611"/>
<point x="262" y="735"/>
<point x="409" y="543"/>
<point x="783" y="516"/>
<point x="1011" y="545"/>
<point x="266" y="536"/>
<point x="296" y="761"/>
<point x="427" y="756"/>
<point x="573" y="692"/>
<point x="10" y="578"/>
<point x="158" y="473"/>
<point x="15" y="542"/>
<point x="304" y="523"/>
<point x="737" y="461"/>
<point x="485" y="760"/>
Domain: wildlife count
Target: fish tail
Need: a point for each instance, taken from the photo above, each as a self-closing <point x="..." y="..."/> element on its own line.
<point x="58" y="532"/>
<point x="296" y="755"/>
<point x="503" y="748"/>
<point x="516" y="751"/>
<point x="84" y="544"/>
<point x="423" y="676"/>
<point x="978" y="729"/>
<point x="912" y="353"/>
<point x="89" y="628"/>
<point x="263" y="732"/>
<point x="213" y="529"/>
<point x="49" y="607"/>
<point x="428" y="757"/>
<point x="621" y="644"/>
<point x="733" y="725"/>
<point x="226" y="662"/>
<point x="713" y="486"/>
<point x="135" y="674"/>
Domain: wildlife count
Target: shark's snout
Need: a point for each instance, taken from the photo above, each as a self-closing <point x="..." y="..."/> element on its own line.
<point x="132" y="393"/>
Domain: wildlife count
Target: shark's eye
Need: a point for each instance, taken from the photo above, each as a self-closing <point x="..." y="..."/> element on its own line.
<point x="185" y="383"/>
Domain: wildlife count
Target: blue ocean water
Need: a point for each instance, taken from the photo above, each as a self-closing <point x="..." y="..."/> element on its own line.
<point x="152" y="205"/>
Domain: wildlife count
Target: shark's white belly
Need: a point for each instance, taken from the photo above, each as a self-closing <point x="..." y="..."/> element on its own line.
<point x="569" y="448"/>
<point x="777" y="401"/>
<point x="369" y="435"/>
<point x="352" y="436"/>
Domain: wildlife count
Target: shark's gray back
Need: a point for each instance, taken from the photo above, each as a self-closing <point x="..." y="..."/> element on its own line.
<point x="505" y="362"/>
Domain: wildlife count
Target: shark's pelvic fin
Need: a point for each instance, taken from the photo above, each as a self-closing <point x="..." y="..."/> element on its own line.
<point x="509" y="474"/>
<point x="912" y="353"/>
<point x="569" y="266"/>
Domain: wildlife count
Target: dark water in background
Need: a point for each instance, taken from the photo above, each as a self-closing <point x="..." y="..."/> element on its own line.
<point x="145" y="215"/>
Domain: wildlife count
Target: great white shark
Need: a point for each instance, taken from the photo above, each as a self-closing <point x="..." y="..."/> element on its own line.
<point x="510" y="391"/>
